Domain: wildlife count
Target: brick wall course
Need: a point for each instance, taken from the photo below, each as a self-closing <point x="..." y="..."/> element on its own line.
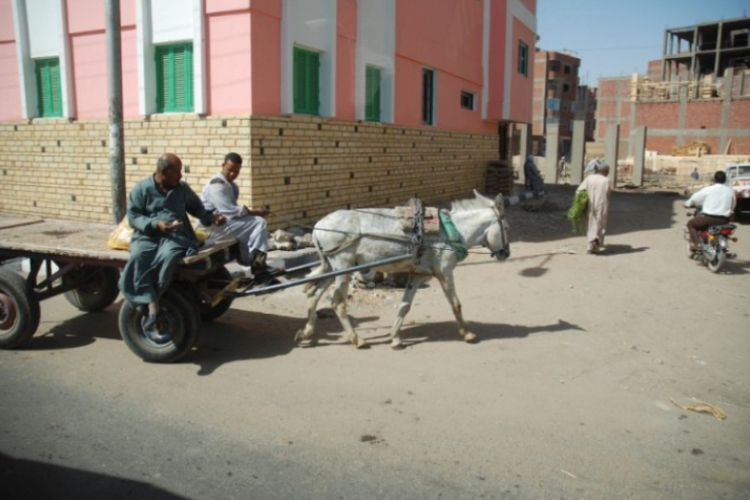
<point x="739" y="117"/>
<point x="703" y="115"/>
<point x="302" y="167"/>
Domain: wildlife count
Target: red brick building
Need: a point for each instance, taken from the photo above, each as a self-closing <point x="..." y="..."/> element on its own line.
<point x="559" y="99"/>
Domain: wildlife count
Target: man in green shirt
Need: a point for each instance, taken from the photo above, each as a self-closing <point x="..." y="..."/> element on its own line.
<point x="158" y="210"/>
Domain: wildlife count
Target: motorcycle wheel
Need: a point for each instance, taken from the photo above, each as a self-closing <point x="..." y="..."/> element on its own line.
<point x="718" y="262"/>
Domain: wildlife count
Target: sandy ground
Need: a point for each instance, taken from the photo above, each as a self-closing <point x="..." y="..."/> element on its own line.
<point x="568" y="394"/>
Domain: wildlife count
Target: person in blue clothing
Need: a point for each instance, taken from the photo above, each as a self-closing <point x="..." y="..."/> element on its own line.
<point x="534" y="180"/>
<point x="158" y="209"/>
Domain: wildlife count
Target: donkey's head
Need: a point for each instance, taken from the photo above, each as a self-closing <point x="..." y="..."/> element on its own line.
<point x="486" y="226"/>
<point x="496" y="237"/>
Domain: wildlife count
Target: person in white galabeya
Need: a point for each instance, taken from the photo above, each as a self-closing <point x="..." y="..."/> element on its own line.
<point x="598" y="187"/>
<point x="717" y="201"/>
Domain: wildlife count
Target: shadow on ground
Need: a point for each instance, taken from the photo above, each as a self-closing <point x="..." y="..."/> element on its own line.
<point x="29" y="479"/>
<point x="447" y="331"/>
<point x="238" y="335"/>
<point x="243" y="335"/>
<point x="629" y="211"/>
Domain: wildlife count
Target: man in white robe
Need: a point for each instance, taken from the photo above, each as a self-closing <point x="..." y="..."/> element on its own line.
<point x="247" y="225"/>
<point x="592" y="166"/>
<point x="598" y="187"/>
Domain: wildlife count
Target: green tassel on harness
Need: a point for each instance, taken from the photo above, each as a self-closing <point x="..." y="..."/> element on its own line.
<point x="578" y="211"/>
<point x="453" y="237"/>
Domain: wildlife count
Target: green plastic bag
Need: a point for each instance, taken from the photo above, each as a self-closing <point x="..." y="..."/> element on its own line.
<point x="579" y="211"/>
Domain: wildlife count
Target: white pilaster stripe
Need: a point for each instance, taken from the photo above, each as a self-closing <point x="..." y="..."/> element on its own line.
<point x="199" y="58"/>
<point x="25" y="69"/>
<point x="517" y="10"/>
<point x="146" y="66"/>
<point x="486" y="57"/>
<point x="66" y="73"/>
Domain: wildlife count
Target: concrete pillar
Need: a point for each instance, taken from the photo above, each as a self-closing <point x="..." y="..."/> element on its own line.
<point x="639" y="156"/>
<point x="576" y="157"/>
<point x="552" y="153"/>
<point x="726" y="110"/>
<point x="682" y="119"/>
<point x="612" y="150"/>
<point x="524" y="149"/>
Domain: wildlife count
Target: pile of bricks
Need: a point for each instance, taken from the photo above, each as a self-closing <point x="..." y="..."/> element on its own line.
<point x="499" y="178"/>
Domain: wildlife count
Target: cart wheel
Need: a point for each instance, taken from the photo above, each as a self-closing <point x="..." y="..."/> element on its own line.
<point x="97" y="292"/>
<point x="219" y="279"/>
<point x="179" y="321"/>
<point x="19" y="310"/>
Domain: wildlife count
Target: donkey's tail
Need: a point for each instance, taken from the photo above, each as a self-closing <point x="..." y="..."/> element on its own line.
<point x="324" y="267"/>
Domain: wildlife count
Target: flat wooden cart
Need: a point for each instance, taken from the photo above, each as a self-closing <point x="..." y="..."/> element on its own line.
<point x="72" y="259"/>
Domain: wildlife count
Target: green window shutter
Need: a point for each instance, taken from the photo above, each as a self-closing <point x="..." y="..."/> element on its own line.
<point x="306" y="82"/>
<point x="49" y="88"/>
<point x="523" y="58"/>
<point x="174" y="78"/>
<point x="162" y="89"/>
<point x="313" y="83"/>
<point x="298" y="80"/>
<point x="372" y="94"/>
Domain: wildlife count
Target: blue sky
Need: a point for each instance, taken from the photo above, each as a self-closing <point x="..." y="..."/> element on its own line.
<point x="618" y="37"/>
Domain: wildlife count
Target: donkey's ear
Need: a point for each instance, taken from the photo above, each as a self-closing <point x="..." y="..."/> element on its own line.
<point x="499" y="200"/>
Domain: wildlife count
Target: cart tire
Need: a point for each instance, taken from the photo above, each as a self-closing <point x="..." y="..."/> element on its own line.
<point x="19" y="310"/>
<point x="209" y="313"/>
<point x="179" y="319"/>
<point x="98" y="292"/>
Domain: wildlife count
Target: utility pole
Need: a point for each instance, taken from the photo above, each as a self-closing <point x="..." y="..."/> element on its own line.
<point x="116" y="140"/>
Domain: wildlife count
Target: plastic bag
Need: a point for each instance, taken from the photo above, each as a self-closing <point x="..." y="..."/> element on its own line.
<point x="202" y="233"/>
<point x="579" y="210"/>
<point x="119" y="239"/>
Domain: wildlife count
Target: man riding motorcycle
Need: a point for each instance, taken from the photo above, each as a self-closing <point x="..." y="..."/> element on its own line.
<point x="718" y="202"/>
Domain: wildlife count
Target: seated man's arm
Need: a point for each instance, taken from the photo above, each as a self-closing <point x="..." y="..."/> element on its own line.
<point x="139" y="216"/>
<point x="221" y="197"/>
<point x="194" y="206"/>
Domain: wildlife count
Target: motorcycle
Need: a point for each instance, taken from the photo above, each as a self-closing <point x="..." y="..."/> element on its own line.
<point x="714" y="246"/>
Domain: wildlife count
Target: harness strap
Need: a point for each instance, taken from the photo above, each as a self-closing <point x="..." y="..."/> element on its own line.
<point x="454" y="238"/>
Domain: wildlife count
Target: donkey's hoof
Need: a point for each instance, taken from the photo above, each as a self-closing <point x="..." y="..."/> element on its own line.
<point x="301" y="336"/>
<point x="362" y="344"/>
<point x="471" y="338"/>
<point x="398" y="346"/>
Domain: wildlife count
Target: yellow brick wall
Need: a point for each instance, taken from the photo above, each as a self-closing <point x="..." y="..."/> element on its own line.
<point x="301" y="167"/>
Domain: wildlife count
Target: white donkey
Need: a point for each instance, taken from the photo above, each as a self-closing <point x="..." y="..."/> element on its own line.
<point x="349" y="238"/>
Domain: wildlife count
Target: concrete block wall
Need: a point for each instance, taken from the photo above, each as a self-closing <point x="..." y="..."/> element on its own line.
<point x="675" y="171"/>
<point x="300" y="167"/>
<point x="304" y="168"/>
<point x="57" y="168"/>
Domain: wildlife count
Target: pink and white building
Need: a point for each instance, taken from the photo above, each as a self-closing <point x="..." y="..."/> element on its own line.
<point x="458" y="66"/>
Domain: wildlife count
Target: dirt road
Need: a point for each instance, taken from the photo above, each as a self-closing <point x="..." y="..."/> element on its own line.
<point x="568" y="395"/>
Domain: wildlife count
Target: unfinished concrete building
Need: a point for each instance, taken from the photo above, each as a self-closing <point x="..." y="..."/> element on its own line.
<point x="696" y="98"/>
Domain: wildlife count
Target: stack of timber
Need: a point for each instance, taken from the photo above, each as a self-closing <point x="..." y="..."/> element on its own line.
<point x="694" y="149"/>
<point x="499" y="178"/>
